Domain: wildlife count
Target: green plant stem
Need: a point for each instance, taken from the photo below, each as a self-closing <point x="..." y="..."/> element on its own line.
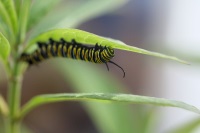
<point x="14" y="98"/>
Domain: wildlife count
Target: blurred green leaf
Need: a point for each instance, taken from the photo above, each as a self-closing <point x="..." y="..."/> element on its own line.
<point x="3" y="106"/>
<point x="4" y="29"/>
<point x="23" y="18"/>
<point x="192" y="57"/>
<point x="128" y="98"/>
<point x="149" y="120"/>
<point x="188" y="127"/>
<point x="106" y="125"/>
<point x="2" y="125"/>
<point x="24" y="128"/>
<point x="88" y="9"/>
<point x="108" y="118"/>
<point x="4" y="48"/>
<point x="39" y="9"/>
<point x="6" y="24"/>
<point x="91" y="39"/>
<point x="18" y="5"/>
<point x="73" y="13"/>
<point x="117" y="118"/>
<point x="9" y="6"/>
<point x="4" y="15"/>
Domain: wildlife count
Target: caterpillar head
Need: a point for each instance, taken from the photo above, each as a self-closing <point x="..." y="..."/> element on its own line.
<point x="110" y="51"/>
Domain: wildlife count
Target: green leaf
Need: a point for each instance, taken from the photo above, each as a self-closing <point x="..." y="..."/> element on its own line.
<point x="149" y="121"/>
<point x="6" y="23"/>
<point x="9" y="6"/>
<point x="18" y="4"/>
<point x="91" y="39"/>
<point x="4" y="15"/>
<point x="23" y="18"/>
<point x="88" y="10"/>
<point x="39" y="9"/>
<point x="3" y="106"/>
<point x="108" y="118"/>
<point x="73" y="13"/>
<point x="128" y="98"/>
<point x="4" y="48"/>
<point x="188" y="127"/>
<point x="4" y="28"/>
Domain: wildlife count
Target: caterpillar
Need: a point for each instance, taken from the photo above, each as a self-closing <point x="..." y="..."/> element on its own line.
<point x="74" y="50"/>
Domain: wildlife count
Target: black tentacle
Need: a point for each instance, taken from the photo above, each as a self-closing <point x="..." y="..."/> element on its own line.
<point x="119" y="67"/>
<point x="107" y="66"/>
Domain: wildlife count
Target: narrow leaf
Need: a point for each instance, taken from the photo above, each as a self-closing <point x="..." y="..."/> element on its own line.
<point x="23" y="18"/>
<point x="4" y="15"/>
<point x="4" y="29"/>
<point x="4" y="47"/>
<point x="134" y="99"/>
<point x="107" y="118"/>
<point x="5" y="21"/>
<point x="3" y="106"/>
<point x="10" y="7"/>
<point x="18" y="4"/>
<point x="91" y="39"/>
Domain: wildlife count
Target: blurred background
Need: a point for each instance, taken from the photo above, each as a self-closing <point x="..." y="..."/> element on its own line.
<point x="167" y="26"/>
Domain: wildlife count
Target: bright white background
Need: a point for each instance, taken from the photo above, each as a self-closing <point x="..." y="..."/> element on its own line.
<point x="181" y="82"/>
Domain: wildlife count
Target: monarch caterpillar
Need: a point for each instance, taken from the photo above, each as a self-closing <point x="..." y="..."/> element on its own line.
<point x="74" y="50"/>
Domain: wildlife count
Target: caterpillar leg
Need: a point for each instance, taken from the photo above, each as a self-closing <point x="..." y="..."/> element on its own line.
<point x="62" y="41"/>
<point x="40" y="44"/>
<point x="74" y="41"/>
<point x="51" y="41"/>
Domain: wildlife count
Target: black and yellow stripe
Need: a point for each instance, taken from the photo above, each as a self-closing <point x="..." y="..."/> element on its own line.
<point x="74" y="50"/>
